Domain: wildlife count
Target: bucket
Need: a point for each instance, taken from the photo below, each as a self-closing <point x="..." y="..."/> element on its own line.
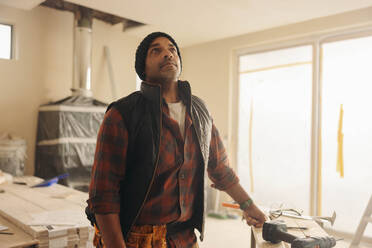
<point x="12" y="154"/>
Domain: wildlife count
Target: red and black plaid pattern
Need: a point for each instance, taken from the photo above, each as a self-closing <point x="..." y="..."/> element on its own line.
<point x="179" y="172"/>
<point x="109" y="164"/>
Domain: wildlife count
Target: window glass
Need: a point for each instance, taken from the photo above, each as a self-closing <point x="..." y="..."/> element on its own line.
<point x="347" y="81"/>
<point x="5" y="41"/>
<point x="274" y="130"/>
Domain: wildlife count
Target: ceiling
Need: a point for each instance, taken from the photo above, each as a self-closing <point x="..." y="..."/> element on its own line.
<point x="196" y="21"/>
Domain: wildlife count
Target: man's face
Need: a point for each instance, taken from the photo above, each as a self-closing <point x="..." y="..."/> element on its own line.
<point x="162" y="61"/>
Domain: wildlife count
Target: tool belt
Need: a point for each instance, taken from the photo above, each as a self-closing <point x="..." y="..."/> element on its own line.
<point x="147" y="236"/>
<point x="144" y="236"/>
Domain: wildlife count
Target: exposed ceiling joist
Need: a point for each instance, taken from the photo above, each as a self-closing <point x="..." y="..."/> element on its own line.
<point x="103" y="16"/>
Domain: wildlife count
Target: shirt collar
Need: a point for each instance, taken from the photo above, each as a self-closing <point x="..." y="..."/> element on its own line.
<point x="153" y="92"/>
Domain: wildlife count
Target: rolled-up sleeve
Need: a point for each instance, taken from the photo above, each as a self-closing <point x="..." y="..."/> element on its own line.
<point x="109" y="164"/>
<point x="219" y="171"/>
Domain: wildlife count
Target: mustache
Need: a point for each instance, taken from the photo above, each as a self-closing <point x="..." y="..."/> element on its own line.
<point x="167" y="62"/>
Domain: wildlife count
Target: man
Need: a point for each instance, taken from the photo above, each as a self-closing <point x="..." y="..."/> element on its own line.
<point x="153" y="149"/>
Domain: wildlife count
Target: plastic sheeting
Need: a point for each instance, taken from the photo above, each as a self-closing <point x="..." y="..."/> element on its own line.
<point x="12" y="154"/>
<point x="66" y="139"/>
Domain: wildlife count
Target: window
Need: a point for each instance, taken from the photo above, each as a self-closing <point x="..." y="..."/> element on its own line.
<point x="277" y="152"/>
<point x="347" y="81"/>
<point x="5" y="41"/>
<point x="274" y="126"/>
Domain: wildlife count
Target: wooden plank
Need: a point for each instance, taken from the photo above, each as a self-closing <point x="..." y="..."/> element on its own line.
<point x="57" y="191"/>
<point x="18" y="239"/>
<point x="18" y="211"/>
<point x="313" y="229"/>
<point x="34" y="195"/>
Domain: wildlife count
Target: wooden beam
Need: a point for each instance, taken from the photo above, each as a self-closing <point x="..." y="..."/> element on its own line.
<point x="78" y="10"/>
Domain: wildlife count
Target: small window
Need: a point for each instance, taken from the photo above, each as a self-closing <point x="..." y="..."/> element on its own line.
<point x="6" y="41"/>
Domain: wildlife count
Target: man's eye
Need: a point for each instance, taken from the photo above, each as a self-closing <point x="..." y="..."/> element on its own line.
<point x="173" y="50"/>
<point x="155" y="50"/>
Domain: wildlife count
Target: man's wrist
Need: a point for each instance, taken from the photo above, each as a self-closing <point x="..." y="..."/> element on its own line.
<point x="245" y="204"/>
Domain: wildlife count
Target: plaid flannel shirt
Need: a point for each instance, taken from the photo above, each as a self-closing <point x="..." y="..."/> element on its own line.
<point x="173" y="192"/>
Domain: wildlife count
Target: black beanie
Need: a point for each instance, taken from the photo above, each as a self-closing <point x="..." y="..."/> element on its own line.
<point x="141" y="52"/>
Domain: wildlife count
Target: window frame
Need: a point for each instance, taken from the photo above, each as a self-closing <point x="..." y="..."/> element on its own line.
<point x="316" y="41"/>
<point x="12" y="39"/>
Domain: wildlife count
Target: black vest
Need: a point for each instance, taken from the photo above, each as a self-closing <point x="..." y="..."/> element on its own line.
<point x="142" y="115"/>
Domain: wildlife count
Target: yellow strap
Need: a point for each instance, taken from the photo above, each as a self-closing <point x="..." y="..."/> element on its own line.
<point x="250" y="147"/>
<point x="97" y="240"/>
<point x="320" y="159"/>
<point x="320" y="178"/>
<point x="340" y="145"/>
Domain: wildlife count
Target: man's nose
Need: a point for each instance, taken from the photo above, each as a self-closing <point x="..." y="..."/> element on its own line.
<point x="168" y="54"/>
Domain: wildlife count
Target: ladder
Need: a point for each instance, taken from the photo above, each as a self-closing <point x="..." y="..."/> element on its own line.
<point x="366" y="218"/>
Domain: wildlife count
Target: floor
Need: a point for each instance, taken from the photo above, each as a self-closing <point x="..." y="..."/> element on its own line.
<point x="232" y="233"/>
<point x="226" y="233"/>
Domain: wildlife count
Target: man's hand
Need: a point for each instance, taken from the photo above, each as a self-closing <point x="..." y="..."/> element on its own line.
<point x="254" y="216"/>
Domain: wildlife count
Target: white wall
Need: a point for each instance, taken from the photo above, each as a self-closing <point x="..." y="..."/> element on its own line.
<point x="42" y="69"/>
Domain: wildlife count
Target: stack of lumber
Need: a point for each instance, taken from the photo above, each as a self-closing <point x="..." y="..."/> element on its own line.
<point x="53" y="215"/>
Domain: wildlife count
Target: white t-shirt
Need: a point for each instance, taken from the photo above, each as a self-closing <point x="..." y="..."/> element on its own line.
<point x="177" y="112"/>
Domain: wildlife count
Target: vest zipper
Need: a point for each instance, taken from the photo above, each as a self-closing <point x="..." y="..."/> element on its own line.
<point x="156" y="166"/>
<point x="205" y="166"/>
<point x="203" y="223"/>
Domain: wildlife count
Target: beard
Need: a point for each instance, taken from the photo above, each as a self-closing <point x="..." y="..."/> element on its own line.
<point x="164" y="75"/>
